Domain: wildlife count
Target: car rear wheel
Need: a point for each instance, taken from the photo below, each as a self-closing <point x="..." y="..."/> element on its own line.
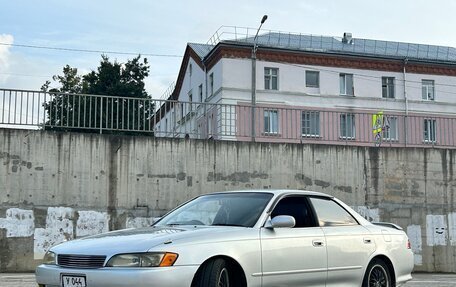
<point x="377" y="275"/>
<point x="215" y="273"/>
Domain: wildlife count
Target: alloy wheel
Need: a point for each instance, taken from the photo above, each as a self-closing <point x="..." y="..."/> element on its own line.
<point x="223" y="279"/>
<point x="378" y="277"/>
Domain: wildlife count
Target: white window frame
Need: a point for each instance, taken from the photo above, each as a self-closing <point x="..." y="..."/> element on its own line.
<point x="317" y="85"/>
<point x="343" y="86"/>
<point x="271" y="128"/>
<point x="344" y="130"/>
<point x="430" y="130"/>
<point x="428" y="90"/>
<point x="270" y="77"/>
<point x="387" y="91"/>
<point x="310" y="124"/>
<point x="391" y="129"/>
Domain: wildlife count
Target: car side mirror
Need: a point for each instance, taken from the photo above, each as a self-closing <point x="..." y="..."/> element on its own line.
<point x="281" y="221"/>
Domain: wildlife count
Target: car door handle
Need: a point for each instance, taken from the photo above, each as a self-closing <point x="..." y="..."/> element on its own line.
<point x="367" y="240"/>
<point x="317" y="243"/>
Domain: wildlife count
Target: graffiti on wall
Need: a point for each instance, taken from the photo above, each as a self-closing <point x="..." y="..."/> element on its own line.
<point x="65" y="223"/>
<point x="414" y="234"/>
<point x="62" y="224"/>
<point x="18" y="222"/>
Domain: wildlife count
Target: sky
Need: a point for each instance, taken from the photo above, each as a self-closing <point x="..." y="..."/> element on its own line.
<point x="165" y="27"/>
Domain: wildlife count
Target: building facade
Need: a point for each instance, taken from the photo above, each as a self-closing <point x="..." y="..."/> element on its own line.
<point x="315" y="89"/>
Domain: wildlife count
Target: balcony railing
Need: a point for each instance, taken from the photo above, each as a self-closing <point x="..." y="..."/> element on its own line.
<point x="219" y="121"/>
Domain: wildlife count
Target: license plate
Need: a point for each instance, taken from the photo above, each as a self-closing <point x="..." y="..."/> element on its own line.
<point x="73" y="281"/>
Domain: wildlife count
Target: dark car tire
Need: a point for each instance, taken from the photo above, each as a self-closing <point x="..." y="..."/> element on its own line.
<point x="215" y="273"/>
<point x="377" y="275"/>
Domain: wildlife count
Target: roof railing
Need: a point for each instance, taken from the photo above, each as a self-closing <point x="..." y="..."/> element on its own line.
<point x="309" y="42"/>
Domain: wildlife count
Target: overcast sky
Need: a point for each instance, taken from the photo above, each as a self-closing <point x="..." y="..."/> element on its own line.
<point x="164" y="27"/>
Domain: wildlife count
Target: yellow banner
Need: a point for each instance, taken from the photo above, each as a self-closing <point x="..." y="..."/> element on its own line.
<point x="377" y="123"/>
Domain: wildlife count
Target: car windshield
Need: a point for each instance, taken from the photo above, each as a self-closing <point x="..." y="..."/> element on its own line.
<point x="223" y="209"/>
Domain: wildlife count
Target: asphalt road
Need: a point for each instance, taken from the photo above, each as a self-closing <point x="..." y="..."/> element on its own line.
<point x="419" y="280"/>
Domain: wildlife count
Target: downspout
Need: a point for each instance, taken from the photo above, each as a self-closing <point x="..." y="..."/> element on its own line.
<point x="406" y="101"/>
<point x="205" y="100"/>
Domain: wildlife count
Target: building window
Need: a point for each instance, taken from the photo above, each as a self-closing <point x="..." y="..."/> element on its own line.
<point x="390" y="129"/>
<point x="190" y="100"/>
<point x="211" y="84"/>
<point x="388" y="87"/>
<point x="271" y="122"/>
<point x="310" y="124"/>
<point x="190" y="69"/>
<point x="312" y="79"/>
<point x="347" y="126"/>
<point x="200" y="93"/>
<point x="428" y="90"/>
<point x="346" y="85"/>
<point x="429" y="130"/>
<point x="271" y="78"/>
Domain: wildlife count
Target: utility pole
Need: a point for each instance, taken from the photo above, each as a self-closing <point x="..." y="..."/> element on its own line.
<point x="254" y="50"/>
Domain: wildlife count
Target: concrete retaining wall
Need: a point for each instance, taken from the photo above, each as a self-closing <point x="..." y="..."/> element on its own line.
<point x="59" y="186"/>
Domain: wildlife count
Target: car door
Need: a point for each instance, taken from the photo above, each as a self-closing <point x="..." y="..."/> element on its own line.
<point x="294" y="256"/>
<point x="349" y="244"/>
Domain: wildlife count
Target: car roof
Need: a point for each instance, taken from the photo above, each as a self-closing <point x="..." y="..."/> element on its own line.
<point x="278" y="192"/>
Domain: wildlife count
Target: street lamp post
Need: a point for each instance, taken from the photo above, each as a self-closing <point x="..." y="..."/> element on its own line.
<point x="254" y="50"/>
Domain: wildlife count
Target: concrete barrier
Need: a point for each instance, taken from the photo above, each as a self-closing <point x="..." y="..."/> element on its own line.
<point x="60" y="186"/>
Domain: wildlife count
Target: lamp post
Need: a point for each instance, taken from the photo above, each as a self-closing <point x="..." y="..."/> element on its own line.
<point x="254" y="50"/>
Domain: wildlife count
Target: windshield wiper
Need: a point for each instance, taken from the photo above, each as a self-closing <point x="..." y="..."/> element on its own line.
<point x="228" y="224"/>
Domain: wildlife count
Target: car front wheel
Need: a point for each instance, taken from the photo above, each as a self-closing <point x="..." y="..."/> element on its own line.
<point x="377" y="275"/>
<point x="215" y="273"/>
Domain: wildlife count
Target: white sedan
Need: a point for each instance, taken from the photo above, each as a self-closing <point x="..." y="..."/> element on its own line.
<point x="243" y="238"/>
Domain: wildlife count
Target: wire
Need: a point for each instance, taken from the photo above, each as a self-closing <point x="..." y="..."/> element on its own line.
<point x="90" y="51"/>
<point x="25" y="75"/>
<point x="50" y="77"/>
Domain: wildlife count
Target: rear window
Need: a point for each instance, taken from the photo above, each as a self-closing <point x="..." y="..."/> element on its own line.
<point x="330" y="213"/>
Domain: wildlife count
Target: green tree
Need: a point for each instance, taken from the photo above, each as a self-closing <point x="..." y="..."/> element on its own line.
<point x="111" y="99"/>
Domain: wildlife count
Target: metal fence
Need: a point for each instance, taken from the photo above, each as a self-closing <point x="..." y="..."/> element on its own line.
<point x="221" y="121"/>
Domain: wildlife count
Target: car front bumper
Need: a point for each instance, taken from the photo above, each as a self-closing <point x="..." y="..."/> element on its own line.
<point x="175" y="276"/>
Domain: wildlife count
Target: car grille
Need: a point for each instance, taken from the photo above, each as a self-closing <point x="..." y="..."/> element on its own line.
<point x="80" y="261"/>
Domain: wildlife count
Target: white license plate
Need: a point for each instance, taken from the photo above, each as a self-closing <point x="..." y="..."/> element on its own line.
<point x="73" y="281"/>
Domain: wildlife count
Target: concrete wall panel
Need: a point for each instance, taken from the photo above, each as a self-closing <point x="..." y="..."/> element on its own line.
<point x="61" y="186"/>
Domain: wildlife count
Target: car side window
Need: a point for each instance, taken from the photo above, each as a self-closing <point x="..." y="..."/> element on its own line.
<point x="330" y="213"/>
<point x="298" y="207"/>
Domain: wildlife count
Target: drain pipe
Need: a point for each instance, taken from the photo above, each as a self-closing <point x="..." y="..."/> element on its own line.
<point x="205" y="100"/>
<point x="406" y="101"/>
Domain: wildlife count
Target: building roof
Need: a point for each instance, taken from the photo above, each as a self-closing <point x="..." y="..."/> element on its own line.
<point x="336" y="45"/>
<point x="202" y="50"/>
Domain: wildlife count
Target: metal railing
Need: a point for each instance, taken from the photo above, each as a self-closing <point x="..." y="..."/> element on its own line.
<point x="220" y="121"/>
<point x="78" y="112"/>
<point x="300" y="41"/>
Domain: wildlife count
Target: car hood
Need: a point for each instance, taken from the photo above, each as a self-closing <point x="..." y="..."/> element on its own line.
<point x="132" y="240"/>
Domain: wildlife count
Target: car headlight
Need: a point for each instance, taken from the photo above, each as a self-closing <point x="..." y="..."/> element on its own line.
<point x="143" y="260"/>
<point x="49" y="258"/>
